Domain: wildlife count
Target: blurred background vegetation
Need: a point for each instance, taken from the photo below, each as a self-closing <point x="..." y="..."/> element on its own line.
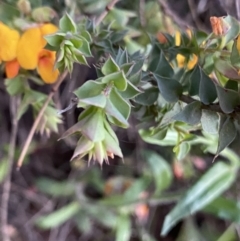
<point x="57" y="200"/>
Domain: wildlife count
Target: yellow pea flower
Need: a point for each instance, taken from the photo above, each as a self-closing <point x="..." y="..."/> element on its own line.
<point x="238" y="44"/>
<point x="29" y="46"/>
<point x="9" y="39"/>
<point x="181" y="59"/>
<point x="31" y="55"/>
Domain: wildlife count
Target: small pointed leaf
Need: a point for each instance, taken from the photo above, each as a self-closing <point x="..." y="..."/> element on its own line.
<point x="195" y="79"/>
<point x="67" y="24"/>
<point x="225" y="68"/>
<point x="207" y="89"/>
<point x="148" y="97"/>
<point x="191" y="113"/>
<point x="170" y="89"/>
<point x="235" y="55"/>
<point x="118" y="78"/>
<point x="110" y="67"/>
<point x="91" y="93"/>
<point x="227" y="134"/>
<point x="160" y="66"/>
<point x="161" y="170"/>
<point x="228" y="99"/>
<point x="210" y="121"/>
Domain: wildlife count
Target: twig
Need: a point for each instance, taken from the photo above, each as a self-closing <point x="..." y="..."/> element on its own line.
<point x="166" y="9"/>
<point x="237" y="3"/>
<point x="212" y="107"/>
<point x="104" y="13"/>
<point x="14" y="103"/>
<point x="141" y="13"/>
<point x="38" y="119"/>
<point x="193" y="12"/>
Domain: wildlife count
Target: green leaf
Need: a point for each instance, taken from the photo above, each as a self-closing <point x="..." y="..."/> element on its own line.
<point x="130" y="92"/>
<point x="160" y="66"/>
<point x="90" y="123"/>
<point x="93" y="129"/>
<point x="230" y="234"/>
<point x="153" y="136"/>
<point x="137" y="187"/>
<point x="119" y="16"/>
<point x="30" y="97"/>
<point x="207" y="89"/>
<point x="54" y="39"/>
<point x="213" y="183"/>
<point x="228" y="99"/>
<point x="161" y="170"/>
<point x="91" y="93"/>
<point x="77" y="41"/>
<point x="98" y="212"/>
<point x="85" y="47"/>
<point x="118" y="36"/>
<point x="118" y="78"/>
<point x="170" y="89"/>
<point x="67" y="24"/>
<point x="182" y="150"/>
<point x="232" y="85"/>
<point x="43" y="14"/>
<point x="227" y="134"/>
<point x="112" y="145"/>
<point x="83" y="223"/>
<point x="136" y="78"/>
<point x="225" y="68"/>
<point x="191" y="113"/>
<point x="127" y="68"/>
<point x="81" y="59"/>
<point x="86" y="35"/>
<point x="189" y="231"/>
<point x="117" y="107"/>
<point x="15" y="86"/>
<point x="227" y="209"/>
<point x="58" y="217"/>
<point x="123" y="232"/>
<point x="84" y="146"/>
<point x="56" y="188"/>
<point x="148" y="97"/>
<point x="233" y="30"/>
<point x="210" y="121"/>
<point x="8" y="12"/>
<point x="235" y="56"/>
<point x="195" y="80"/>
<point x="110" y="67"/>
<point x="122" y="57"/>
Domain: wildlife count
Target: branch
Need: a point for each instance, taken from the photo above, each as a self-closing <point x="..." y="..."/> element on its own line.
<point x="193" y="12"/>
<point x="109" y="7"/>
<point x="167" y="11"/>
<point x="39" y="117"/>
<point x="212" y="107"/>
<point x="14" y="103"/>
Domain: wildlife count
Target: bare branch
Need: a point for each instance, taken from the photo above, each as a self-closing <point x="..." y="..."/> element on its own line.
<point x="37" y="120"/>
<point x="14" y="103"/>
<point x="100" y="18"/>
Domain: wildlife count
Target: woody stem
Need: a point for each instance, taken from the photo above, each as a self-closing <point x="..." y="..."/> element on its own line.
<point x="39" y="117"/>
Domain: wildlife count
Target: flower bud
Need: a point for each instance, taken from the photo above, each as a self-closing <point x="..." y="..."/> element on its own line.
<point x="24" y="6"/>
<point x="219" y="26"/>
